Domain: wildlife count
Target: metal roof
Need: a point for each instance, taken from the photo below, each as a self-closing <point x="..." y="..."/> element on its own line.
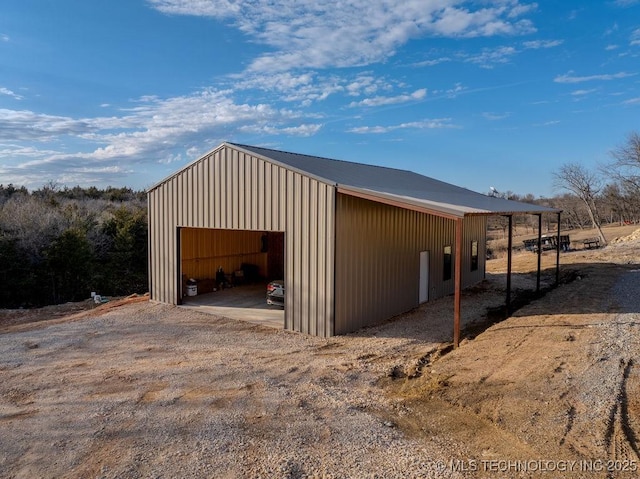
<point x="398" y="187"/>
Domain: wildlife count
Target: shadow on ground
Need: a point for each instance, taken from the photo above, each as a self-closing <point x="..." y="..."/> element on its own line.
<point x="584" y="288"/>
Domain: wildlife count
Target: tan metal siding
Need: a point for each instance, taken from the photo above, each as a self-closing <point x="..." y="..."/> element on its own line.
<point x="162" y="240"/>
<point x="474" y="229"/>
<point x="377" y="259"/>
<point x="172" y="247"/>
<point x="231" y="190"/>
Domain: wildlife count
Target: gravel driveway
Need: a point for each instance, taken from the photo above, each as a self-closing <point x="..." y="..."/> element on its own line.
<point x="147" y="390"/>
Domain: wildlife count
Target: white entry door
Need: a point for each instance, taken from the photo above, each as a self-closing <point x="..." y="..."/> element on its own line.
<point x="424" y="277"/>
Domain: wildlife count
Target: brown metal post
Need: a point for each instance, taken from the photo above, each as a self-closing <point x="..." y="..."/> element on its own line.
<point x="539" y="252"/>
<point x="509" y="248"/>
<point x="458" y="284"/>
<point x="558" y="253"/>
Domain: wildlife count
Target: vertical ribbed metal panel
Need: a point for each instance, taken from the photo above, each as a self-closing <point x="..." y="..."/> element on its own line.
<point x="328" y="267"/>
<point x="377" y="259"/>
<point x="270" y="197"/>
<point x="233" y="190"/>
<point x="169" y="218"/>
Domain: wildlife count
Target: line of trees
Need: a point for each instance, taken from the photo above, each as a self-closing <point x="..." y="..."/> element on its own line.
<point x="60" y="244"/>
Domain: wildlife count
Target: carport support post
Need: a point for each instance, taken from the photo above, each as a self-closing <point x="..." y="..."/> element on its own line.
<point x="509" y="248"/>
<point x="539" y="252"/>
<point x="458" y="284"/>
<point x="558" y="253"/>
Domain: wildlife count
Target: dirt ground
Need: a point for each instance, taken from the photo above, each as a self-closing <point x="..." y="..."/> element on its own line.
<point x="136" y="389"/>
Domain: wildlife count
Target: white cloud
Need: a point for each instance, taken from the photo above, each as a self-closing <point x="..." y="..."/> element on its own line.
<point x="582" y="92"/>
<point x="489" y="57"/>
<point x="76" y="174"/>
<point x="167" y="160"/>
<point x="382" y="100"/>
<point x="458" y="21"/>
<point x="17" y="125"/>
<point x="366" y="84"/>
<point x="496" y="116"/>
<point x="202" y="8"/>
<point x="611" y="47"/>
<point x="451" y="92"/>
<point x="152" y="130"/>
<point x="420" y="125"/>
<point x="632" y="101"/>
<point x="6" y="91"/>
<point x="10" y="150"/>
<point x="300" y="130"/>
<point x="431" y="63"/>
<point x="312" y="34"/>
<point x="4" y="37"/>
<point x="570" y="78"/>
<point x="635" y="37"/>
<point x="310" y="87"/>
<point x="280" y="82"/>
<point x="538" y="44"/>
<point x="519" y="10"/>
<point x="611" y="30"/>
<point x="305" y="88"/>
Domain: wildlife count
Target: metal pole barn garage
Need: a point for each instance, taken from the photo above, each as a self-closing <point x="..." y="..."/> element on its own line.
<point x="362" y="243"/>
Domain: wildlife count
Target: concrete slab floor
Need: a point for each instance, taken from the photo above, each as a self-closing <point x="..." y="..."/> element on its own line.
<point x="245" y="303"/>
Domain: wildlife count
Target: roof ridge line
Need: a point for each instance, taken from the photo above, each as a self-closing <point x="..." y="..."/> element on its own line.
<point x="327" y="158"/>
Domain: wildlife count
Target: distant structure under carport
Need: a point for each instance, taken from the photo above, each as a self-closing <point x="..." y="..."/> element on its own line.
<point x="355" y="244"/>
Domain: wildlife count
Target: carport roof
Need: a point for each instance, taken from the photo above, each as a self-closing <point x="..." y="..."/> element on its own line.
<point x="397" y="187"/>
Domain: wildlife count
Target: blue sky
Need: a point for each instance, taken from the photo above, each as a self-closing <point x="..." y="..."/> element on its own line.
<point x="477" y="93"/>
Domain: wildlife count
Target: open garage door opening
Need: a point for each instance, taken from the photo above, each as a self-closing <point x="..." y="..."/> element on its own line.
<point x="226" y="273"/>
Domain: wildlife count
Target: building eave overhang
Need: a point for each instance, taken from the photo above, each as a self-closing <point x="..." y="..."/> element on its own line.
<point x="422" y="206"/>
<point x="444" y="210"/>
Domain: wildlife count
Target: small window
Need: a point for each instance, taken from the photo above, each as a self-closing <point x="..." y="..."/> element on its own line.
<point x="474" y="256"/>
<point x="446" y="270"/>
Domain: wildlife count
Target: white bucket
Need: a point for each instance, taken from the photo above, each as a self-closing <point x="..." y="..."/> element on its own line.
<point x="192" y="290"/>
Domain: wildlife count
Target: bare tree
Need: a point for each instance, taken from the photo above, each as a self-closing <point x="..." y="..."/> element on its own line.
<point x="586" y="186"/>
<point x="32" y="222"/>
<point x="626" y="165"/>
<point x="574" y="215"/>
